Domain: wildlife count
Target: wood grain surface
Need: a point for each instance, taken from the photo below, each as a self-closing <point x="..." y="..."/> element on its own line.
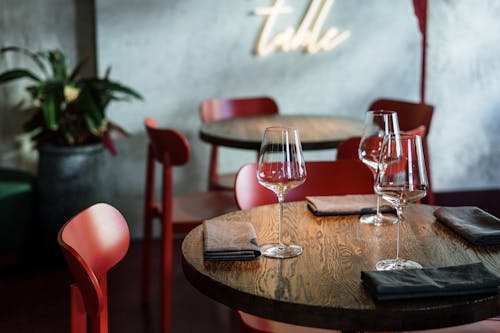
<point x="322" y="287"/>
<point x="316" y="132"/>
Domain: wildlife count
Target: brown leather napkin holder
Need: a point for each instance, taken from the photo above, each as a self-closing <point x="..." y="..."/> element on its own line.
<point x="351" y="204"/>
<point x="229" y="240"/>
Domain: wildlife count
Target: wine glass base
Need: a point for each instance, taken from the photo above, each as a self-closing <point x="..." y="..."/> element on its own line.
<point x="378" y="219"/>
<point x="281" y="251"/>
<point x="393" y="264"/>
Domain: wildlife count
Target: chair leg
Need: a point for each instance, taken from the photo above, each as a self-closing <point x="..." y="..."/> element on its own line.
<point x="166" y="281"/>
<point x="149" y="214"/>
<point x="166" y="248"/>
<point x="146" y="257"/>
<point x="78" y="316"/>
<point x="98" y="324"/>
<point x="102" y="319"/>
<point x="166" y="278"/>
<point x="212" y="170"/>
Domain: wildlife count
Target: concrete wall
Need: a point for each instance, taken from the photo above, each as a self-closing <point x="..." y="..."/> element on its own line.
<point x="178" y="53"/>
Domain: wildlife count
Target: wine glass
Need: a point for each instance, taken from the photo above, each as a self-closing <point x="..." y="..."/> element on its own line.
<point x="281" y="168"/>
<point x="400" y="180"/>
<point x="377" y="124"/>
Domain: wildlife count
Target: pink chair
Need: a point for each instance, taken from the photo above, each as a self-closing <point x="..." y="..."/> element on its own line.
<point x="93" y="241"/>
<point x="349" y="176"/>
<point x="219" y="109"/>
<point x="176" y="214"/>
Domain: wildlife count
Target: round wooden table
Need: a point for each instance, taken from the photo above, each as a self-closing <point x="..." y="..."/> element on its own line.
<point x="322" y="287"/>
<point x="316" y="132"/>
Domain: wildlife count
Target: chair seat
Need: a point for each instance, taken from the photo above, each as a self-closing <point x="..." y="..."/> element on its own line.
<point x="253" y="323"/>
<point x="224" y="181"/>
<point x="259" y="324"/>
<point x="491" y="325"/>
<point x="208" y="204"/>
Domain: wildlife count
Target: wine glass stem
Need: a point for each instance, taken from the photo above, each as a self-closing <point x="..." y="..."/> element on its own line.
<point x="379" y="214"/>
<point x="281" y="198"/>
<point x="379" y="198"/>
<point x="401" y="218"/>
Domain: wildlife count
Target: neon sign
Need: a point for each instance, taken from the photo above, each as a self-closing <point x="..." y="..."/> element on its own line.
<point x="308" y="36"/>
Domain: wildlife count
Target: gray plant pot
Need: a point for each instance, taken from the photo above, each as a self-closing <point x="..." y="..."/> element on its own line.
<point x="69" y="180"/>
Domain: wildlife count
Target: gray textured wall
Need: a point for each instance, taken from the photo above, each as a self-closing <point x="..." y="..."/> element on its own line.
<point x="178" y="53"/>
<point x="464" y="84"/>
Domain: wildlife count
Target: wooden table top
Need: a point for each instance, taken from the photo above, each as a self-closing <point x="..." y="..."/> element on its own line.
<point x="322" y="287"/>
<point x="316" y="132"/>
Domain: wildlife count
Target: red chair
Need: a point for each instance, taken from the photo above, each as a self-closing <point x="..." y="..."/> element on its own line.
<point x="410" y="116"/>
<point x="348" y="149"/>
<point x="348" y="176"/>
<point x="93" y="241"/>
<point x="177" y="214"/>
<point x="219" y="109"/>
<point x="491" y="325"/>
<point x="323" y="178"/>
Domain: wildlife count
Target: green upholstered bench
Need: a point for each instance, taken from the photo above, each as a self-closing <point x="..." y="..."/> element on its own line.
<point x="17" y="207"/>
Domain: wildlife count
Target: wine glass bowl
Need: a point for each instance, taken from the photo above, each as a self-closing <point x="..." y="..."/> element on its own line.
<point x="271" y="176"/>
<point x="377" y="124"/>
<point x="369" y="151"/>
<point x="281" y="168"/>
<point x="401" y="179"/>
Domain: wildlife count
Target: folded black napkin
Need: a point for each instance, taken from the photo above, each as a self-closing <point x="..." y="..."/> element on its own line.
<point x="351" y="204"/>
<point x="431" y="282"/>
<point x="472" y="223"/>
<point x="227" y="240"/>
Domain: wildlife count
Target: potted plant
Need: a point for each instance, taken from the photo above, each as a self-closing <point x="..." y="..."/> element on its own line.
<point x="67" y="110"/>
<point x="70" y="130"/>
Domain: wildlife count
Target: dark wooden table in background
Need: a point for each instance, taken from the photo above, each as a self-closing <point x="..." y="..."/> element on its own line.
<point x="322" y="287"/>
<point x="316" y="132"/>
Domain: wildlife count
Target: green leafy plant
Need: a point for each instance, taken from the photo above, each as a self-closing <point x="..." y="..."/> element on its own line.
<point x="67" y="109"/>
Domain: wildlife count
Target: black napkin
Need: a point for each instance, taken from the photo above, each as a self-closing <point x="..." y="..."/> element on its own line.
<point x="431" y="282"/>
<point x="472" y="223"/>
<point x="351" y="204"/>
<point x="227" y="240"/>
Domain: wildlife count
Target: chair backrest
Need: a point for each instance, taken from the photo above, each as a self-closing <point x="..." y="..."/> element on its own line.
<point x="348" y="149"/>
<point x="410" y="115"/>
<point x="171" y="148"/>
<point x="93" y="241"/>
<point x="340" y="177"/>
<point x="167" y="144"/>
<point x="220" y="108"/>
